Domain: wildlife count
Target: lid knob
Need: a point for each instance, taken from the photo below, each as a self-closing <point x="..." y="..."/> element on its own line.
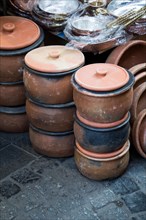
<point x="101" y="73"/>
<point x="9" y="27"/>
<point x="54" y="54"/>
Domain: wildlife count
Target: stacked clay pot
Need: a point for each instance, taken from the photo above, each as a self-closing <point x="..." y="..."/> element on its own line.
<point x="18" y="36"/>
<point x="103" y="95"/>
<point x="49" y="106"/>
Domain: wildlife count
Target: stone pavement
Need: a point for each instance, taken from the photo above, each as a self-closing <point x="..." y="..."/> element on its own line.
<point x="33" y="187"/>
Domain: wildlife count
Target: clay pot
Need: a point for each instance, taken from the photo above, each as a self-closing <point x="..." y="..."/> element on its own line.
<point x="139" y="79"/>
<point x="54" y="118"/>
<point x="129" y="54"/>
<point x="101" y="140"/>
<point x="13" y="49"/>
<point x="12" y="94"/>
<point x="102" y="106"/>
<point x="135" y="70"/>
<point x="13" y="119"/>
<point x="101" y="169"/>
<point x="47" y="80"/>
<point x="52" y="144"/>
<point x="139" y="101"/>
<point x="139" y="133"/>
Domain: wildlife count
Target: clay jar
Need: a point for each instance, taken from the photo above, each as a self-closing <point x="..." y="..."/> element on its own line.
<point x="14" y="46"/>
<point x="53" y="118"/>
<point x="52" y="144"/>
<point x="13" y="119"/>
<point x="12" y="94"/>
<point x="101" y="169"/>
<point x="129" y="54"/>
<point x="102" y="140"/>
<point x="103" y="93"/>
<point x="48" y="71"/>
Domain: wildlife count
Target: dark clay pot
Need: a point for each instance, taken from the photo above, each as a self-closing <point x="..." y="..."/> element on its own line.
<point x="52" y="144"/>
<point x="101" y="169"/>
<point x="12" y="94"/>
<point x="103" y="107"/>
<point x="54" y="118"/>
<point x="13" y="119"/>
<point x="101" y="140"/>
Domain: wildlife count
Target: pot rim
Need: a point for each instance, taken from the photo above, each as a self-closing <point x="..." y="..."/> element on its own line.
<point x="88" y="92"/>
<point x="106" y="159"/>
<point x="137" y="69"/>
<point x="101" y="129"/>
<point x="13" y="110"/>
<point x="12" y="83"/>
<point x="17" y="8"/>
<point x="50" y="133"/>
<point x="25" y="49"/>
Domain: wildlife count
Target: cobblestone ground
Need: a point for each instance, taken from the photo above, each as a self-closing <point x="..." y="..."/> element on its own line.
<point x="33" y="187"/>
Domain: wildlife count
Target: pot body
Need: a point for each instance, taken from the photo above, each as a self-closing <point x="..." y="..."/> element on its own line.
<point x="12" y="94"/>
<point x="101" y="140"/>
<point x="57" y="118"/>
<point x="52" y="145"/>
<point x="99" y="169"/>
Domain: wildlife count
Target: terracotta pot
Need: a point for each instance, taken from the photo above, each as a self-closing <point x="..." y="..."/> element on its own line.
<point x="101" y="169"/>
<point x="47" y="80"/>
<point x="129" y="54"/>
<point x="139" y="133"/>
<point x="13" y="49"/>
<point x="52" y="144"/>
<point x="102" y="106"/>
<point x="101" y="140"/>
<point x="12" y="94"/>
<point x="139" y="79"/>
<point x="13" y="119"/>
<point x="139" y="101"/>
<point x="54" y="118"/>
<point x="135" y="70"/>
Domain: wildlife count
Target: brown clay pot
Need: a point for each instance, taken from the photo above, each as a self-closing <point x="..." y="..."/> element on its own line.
<point x="139" y="79"/>
<point x="54" y="118"/>
<point x="52" y="144"/>
<point x="101" y="169"/>
<point x="129" y="54"/>
<point x="13" y="119"/>
<point x="135" y="70"/>
<point x="12" y="94"/>
<point x="139" y="133"/>
<point x="139" y="101"/>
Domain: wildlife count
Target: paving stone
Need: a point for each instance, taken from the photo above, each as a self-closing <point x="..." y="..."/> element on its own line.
<point x="25" y="176"/>
<point x="8" y="189"/>
<point x="11" y="159"/>
<point x="136" y="201"/>
<point x="3" y="143"/>
<point x="7" y="211"/>
<point x="139" y="216"/>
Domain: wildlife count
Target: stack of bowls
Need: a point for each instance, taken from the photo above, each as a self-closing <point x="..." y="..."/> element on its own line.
<point x="18" y="36"/>
<point x="103" y="95"/>
<point x="49" y="104"/>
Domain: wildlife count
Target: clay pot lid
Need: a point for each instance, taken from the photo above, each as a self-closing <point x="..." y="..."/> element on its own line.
<point x="17" y="32"/>
<point x="102" y="77"/>
<point x="54" y="59"/>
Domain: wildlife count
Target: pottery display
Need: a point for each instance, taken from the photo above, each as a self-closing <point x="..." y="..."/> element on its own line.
<point x="103" y="93"/>
<point x="53" y="118"/>
<point x="135" y="70"/>
<point x="129" y="54"/>
<point x="139" y="79"/>
<point x="101" y="140"/>
<point x="102" y="168"/>
<point x="13" y="119"/>
<point x="48" y="71"/>
<point x="139" y="133"/>
<point x="12" y="94"/>
<point x="52" y="144"/>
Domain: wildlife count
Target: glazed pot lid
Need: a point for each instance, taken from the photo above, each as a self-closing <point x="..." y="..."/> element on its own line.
<point x="102" y="77"/>
<point x="54" y="59"/>
<point x="17" y="32"/>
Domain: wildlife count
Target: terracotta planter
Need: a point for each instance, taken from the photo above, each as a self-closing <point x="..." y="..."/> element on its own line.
<point x="54" y="118"/>
<point x="101" y="140"/>
<point x="12" y="94"/>
<point x="139" y="79"/>
<point x="129" y="54"/>
<point x="139" y="101"/>
<point x="102" y="106"/>
<point x="13" y="119"/>
<point x="135" y="70"/>
<point x="52" y="144"/>
<point x="13" y="49"/>
<point x="139" y="133"/>
<point x="101" y="169"/>
<point x="47" y="80"/>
